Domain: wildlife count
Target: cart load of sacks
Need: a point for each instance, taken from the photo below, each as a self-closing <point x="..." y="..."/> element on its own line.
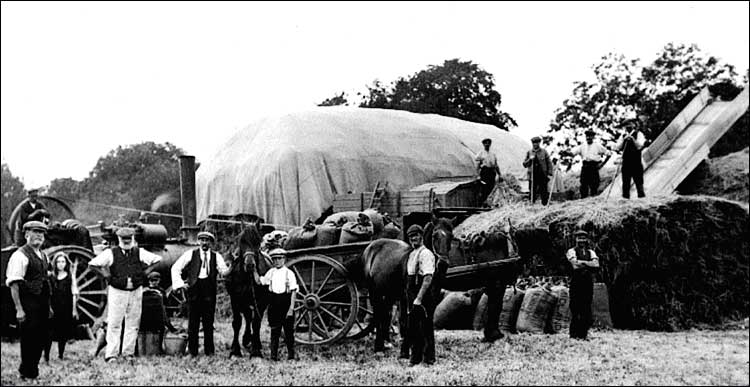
<point x="533" y="305"/>
<point x="341" y="228"/>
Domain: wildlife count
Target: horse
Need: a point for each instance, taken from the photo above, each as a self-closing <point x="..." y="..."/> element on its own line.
<point x="261" y="295"/>
<point x="239" y="284"/>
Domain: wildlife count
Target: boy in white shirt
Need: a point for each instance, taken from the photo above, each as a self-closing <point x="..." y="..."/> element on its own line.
<point x="283" y="286"/>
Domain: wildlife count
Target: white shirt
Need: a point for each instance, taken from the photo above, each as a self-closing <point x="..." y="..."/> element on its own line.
<point x="105" y="258"/>
<point x="17" y="265"/>
<point x="421" y="261"/>
<point x="486" y="159"/>
<point x="280" y="281"/>
<point x="186" y="257"/>
<point x="592" y="152"/>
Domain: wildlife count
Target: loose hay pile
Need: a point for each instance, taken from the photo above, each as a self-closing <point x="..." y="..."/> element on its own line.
<point x="670" y="262"/>
<point x="726" y="177"/>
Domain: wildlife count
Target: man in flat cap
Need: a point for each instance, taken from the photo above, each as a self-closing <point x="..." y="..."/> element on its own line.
<point x="420" y="333"/>
<point x="196" y="271"/>
<point x="592" y="153"/>
<point x="540" y="170"/>
<point x="30" y="290"/>
<point x="487" y="169"/>
<point x="28" y="206"/>
<point x="584" y="262"/>
<point x="631" y="143"/>
<point x="125" y="291"/>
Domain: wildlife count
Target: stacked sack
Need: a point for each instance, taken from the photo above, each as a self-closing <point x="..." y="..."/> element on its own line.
<point x="302" y="237"/>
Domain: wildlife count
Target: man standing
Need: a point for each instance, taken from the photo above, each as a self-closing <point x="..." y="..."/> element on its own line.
<point x="591" y="153"/>
<point x="196" y="270"/>
<point x="539" y="167"/>
<point x="27" y="208"/>
<point x="30" y="289"/>
<point x="487" y="169"/>
<point x="584" y="262"/>
<point x="420" y="267"/>
<point x="125" y="292"/>
<point x="631" y="143"/>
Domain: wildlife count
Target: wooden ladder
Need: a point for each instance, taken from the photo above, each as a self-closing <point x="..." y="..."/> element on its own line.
<point x="377" y="195"/>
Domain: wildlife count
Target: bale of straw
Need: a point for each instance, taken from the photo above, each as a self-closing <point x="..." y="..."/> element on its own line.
<point x="669" y="262"/>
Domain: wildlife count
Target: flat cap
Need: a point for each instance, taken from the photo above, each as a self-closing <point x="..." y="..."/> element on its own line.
<point x="630" y="121"/>
<point x="536" y="139"/>
<point x="154" y="275"/>
<point x="35" y="225"/>
<point x="487" y="140"/>
<point x="207" y="235"/>
<point x="279" y="252"/>
<point x="125" y="232"/>
<point x="33" y="191"/>
<point x="590" y="132"/>
<point x="581" y="234"/>
<point x="415" y="229"/>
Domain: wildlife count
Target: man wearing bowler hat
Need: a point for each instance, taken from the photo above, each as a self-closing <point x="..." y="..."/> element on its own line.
<point x="30" y="290"/>
<point x="126" y="264"/>
<point x="487" y="169"/>
<point x="540" y="171"/>
<point x="196" y="270"/>
<point x="584" y="262"/>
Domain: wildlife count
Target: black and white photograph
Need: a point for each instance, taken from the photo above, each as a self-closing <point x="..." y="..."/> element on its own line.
<point x="375" y="193"/>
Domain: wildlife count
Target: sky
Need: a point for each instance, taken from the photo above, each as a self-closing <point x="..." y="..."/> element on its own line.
<point x="81" y="78"/>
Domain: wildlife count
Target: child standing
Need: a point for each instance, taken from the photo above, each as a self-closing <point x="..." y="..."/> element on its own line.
<point x="64" y="299"/>
<point x="283" y="286"/>
<point x="153" y="314"/>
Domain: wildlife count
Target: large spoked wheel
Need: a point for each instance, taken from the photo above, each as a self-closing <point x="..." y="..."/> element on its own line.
<point x="327" y="301"/>
<point x="365" y="322"/>
<point x="91" y="285"/>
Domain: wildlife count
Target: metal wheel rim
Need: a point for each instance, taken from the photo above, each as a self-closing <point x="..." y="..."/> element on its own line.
<point x="365" y="322"/>
<point x="333" y="319"/>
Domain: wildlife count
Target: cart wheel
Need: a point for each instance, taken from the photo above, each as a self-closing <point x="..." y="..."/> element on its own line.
<point x="91" y="285"/>
<point x="327" y="300"/>
<point x="365" y="323"/>
<point x="176" y="303"/>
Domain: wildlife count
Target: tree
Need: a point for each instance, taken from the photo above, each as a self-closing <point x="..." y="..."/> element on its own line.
<point x="65" y="188"/>
<point x="336" y="100"/>
<point x="13" y="193"/>
<point x="455" y="89"/>
<point x="655" y="93"/>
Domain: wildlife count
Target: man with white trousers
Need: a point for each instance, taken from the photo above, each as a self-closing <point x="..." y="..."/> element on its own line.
<point x="125" y="291"/>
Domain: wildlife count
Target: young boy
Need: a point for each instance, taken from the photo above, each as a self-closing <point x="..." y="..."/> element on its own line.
<point x="153" y="314"/>
<point x="283" y="286"/>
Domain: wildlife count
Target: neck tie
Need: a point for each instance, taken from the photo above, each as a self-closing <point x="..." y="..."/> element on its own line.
<point x="205" y="258"/>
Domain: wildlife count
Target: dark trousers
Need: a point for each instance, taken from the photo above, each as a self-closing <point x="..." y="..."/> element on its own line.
<point x="539" y="189"/>
<point x="589" y="179"/>
<point x="277" y="320"/>
<point x="487" y="176"/>
<point x="581" y="295"/>
<point x="420" y="334"/>
<point x="262" y="298"/>
<point x="201" y="309"/>
<point x="635" y="173"/>
<point x="34" y="333"/>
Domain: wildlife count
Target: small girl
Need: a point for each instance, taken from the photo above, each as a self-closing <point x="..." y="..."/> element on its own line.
<point x="283" y="286"/>
<point x="64" y="299"/>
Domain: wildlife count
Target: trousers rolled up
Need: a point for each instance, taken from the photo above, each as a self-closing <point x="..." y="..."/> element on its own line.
<point x="124" y="309"/>
<point x="201" y="309"/>
<point x="589" y="179"/>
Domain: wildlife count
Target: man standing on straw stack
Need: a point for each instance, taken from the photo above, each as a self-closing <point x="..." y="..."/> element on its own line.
<point x="539" y="170"/>
<point x="584" y="262"/>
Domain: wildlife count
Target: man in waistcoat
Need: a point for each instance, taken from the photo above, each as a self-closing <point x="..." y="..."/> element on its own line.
<point x="30" y="289"/>
<point x="539" y="169"/>
<point x="631" y="143"/>
<point x="196" y="270"/>
<point x="126" y="264"/>
<point x="584" y="262"/>
<point x="420" y="268"/>
<point x="29" y="206"/>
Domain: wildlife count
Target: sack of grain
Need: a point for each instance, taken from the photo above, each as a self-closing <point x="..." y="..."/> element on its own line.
<point x="559" y="320"/>
<point x="376" y="219"/>
<point x="453" y="312"/>
<point x="327" y="234"/>
<point x="391" y="231"/>
<point x="512" y="301"/>
<point x="535" y="309"/>
<point x="600" y="307"/>
<point x="340" y="218"/>
<point x="355" y="232"/>
<point x="300" y="238"/>
<point x="480" y="313"/>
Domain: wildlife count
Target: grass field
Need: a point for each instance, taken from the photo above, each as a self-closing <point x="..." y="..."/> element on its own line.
<point x="610" y="358"/>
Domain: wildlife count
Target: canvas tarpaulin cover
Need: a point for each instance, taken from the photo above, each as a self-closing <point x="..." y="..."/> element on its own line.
<point x="288" y="167"/>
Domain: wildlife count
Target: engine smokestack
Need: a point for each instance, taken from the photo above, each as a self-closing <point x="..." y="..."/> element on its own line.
<point x="187" y="194"/>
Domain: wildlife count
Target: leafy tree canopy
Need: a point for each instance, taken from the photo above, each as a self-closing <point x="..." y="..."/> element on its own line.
<point x="656" y="93"/>
<point x="13" y="193"/>
<point x="336" y="100"/>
